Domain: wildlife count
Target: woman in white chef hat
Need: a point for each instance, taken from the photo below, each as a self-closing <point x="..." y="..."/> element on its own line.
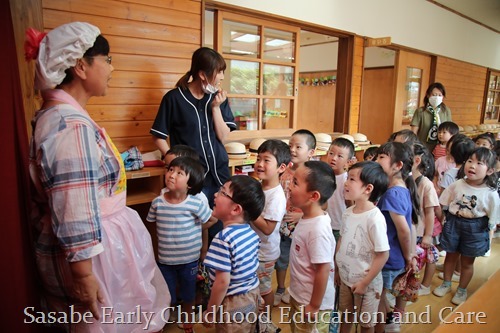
<point x="92" y="251"/>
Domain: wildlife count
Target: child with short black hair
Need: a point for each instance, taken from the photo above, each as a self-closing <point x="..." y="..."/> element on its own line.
<point x="446" y="130"/>
<point x="232" y="258"/>
<point x="486" y="140"/>
<point x="312" y="290"/>
<point x="273" y="157"/>
<point x="363" y="248"/>
<point x="460" y="149"/>
<point x="302" y="147"/>
<point x="370" y="153"/>
<point x="339" y="155"/>
<point x="179" y="215"/>
<point x="404" y="136"/>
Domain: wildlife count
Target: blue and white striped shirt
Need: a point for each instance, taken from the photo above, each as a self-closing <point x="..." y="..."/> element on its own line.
<point x="235" y="249"/>
<point x="179" y="228"/>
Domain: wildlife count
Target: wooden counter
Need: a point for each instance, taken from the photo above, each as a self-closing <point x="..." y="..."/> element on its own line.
<point x="480" y="313"/>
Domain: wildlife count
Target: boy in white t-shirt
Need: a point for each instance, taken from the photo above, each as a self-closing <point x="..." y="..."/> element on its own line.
<point x="363" y="248"/>
<point x="273" y="157"/>
<point x="340" y="153"/>
<point x="312" y="291"/>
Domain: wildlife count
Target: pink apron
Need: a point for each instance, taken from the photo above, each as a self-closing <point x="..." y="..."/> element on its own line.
<point x="136" y="296"/>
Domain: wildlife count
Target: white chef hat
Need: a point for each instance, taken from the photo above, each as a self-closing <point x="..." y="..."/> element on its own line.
<point x="60" y="49"/>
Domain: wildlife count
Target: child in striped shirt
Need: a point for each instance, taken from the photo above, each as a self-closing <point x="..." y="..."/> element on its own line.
<point x="179" y="214"/>
<point x="232" y="259"/>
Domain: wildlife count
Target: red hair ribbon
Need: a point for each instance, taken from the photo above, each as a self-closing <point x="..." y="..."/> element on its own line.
<point x="32" y="43"/>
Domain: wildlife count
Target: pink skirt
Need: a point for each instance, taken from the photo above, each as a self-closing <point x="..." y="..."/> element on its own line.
<point x="136" y="297"/>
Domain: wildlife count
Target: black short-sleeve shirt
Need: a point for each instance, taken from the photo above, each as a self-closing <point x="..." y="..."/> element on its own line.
<point x="189" y="121"/>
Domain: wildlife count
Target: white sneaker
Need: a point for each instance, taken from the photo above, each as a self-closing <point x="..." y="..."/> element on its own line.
<point x="441" y="290"/>
<point x="424" y="290"/>
<point x="393" y="328"/>
<point x="286" y="297"/>
<point x="455" y="277"/>
<point x="394" y="325"/>
<point x="277" y="298"/>
<point x="459" y="297"/>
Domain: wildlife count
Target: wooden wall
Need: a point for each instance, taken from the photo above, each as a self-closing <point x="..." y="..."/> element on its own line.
<point x="357" y="83"/>
<point x="464" y="85"/>
<point x="151" y="43"/>
<point x="316" y="105"/>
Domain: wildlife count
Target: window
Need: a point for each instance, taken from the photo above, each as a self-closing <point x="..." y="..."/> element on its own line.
<point x="413" y="85"/>
<point x="262" y="70"/>
<point x="492" y="98"/>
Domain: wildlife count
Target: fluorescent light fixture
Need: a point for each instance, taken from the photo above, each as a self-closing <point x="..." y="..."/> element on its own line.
<point x="241" y="52"/>
<point x="247" y="38"/>
<point x="277" y="42"/>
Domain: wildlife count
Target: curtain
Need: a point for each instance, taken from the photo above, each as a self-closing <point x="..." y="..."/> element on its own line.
<point x="19" y="287"/>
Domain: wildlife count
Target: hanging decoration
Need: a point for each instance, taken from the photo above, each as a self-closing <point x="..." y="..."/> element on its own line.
<point x="318" y="81"/>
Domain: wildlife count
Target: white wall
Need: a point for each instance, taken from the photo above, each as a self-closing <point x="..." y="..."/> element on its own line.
<point x="318" y="58"/>
<point x="413" y="23"/>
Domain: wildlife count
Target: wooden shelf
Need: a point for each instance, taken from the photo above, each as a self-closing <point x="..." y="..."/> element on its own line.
<point x="146" y="172"/>
<point x="144" y="185"/>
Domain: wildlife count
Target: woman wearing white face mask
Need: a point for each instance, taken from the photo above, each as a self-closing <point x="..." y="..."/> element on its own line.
<point x="427" y="119"/>
<point x="197" y="114"/>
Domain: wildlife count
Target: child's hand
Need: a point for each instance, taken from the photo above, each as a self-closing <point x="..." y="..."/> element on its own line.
<point x="207" y="318"/>
<point x="359" y="288"/>
<point x="292" y="217"/>
<point x="426" y="242"/>
<point x="310" y="312"/>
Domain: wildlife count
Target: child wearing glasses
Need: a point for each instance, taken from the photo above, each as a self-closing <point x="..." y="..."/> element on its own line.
<point x="179" y="216"/>
<point x="232" y="259"/>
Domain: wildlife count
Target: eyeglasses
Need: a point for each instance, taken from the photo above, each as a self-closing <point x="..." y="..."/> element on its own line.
<point x="108" y="58"/>
<point x="224" y="193"/>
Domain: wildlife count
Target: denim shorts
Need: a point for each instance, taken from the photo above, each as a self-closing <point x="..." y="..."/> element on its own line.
<point x="388" y="275"/>
<point x="284" y="259"/>
<point x="182" y="276"/>
<point x="469" y="237"/>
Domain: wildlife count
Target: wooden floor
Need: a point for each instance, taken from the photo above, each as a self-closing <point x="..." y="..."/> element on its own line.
<point x="484" y="268"/>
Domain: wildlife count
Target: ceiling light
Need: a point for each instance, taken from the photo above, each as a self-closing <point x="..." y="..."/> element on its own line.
<point x="277" y="42"/>
<point x="247" y="38"/>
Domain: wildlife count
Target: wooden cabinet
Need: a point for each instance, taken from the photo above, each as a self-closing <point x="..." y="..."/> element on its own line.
<point x="144" y="185"/>
<point x="492" y="98"/>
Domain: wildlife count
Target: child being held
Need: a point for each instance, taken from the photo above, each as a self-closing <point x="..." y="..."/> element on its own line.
<point x="312" y="291"/>
<point x="273" y="157"/>
<point x="363" y="248"/>
<point x="232" y="258"/>
<point x="446" y="130"/>
<point x="178" y="215"/>
<point x="340" y="153"/>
